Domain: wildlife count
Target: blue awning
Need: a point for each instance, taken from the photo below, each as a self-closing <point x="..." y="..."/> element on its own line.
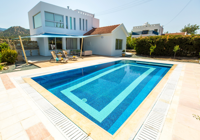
<point x="55" y="36"/>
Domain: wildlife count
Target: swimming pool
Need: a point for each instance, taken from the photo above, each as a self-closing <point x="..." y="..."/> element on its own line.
<point x="108" y="93"/>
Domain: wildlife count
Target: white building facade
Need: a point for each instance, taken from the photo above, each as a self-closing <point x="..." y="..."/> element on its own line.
<point x="46" y="18"/>
<point x="147" y="30"/>
<point x="50" y="20"/>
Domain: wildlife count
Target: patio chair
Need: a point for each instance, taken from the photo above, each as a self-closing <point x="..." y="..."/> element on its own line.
<point x="56" y="59"/>
<point x="65" y="53"/>
<point x="71" y="57"/>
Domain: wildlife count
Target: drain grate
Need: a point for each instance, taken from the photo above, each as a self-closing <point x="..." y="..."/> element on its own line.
<point x="64" y="125"/>
<point x="152" y="126"/>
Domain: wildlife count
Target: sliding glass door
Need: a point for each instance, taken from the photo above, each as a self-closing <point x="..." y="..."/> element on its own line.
<point x="71" y="43"/>
<point x="55" y="43"/>
<point x="59" y="43"/>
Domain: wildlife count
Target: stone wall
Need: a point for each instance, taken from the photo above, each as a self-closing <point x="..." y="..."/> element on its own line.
<point x="31" y="48"/>
<point x="27" y="45"/>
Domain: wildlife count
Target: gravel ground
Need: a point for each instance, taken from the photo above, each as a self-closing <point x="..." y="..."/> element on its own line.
<point x="19" y="66"/>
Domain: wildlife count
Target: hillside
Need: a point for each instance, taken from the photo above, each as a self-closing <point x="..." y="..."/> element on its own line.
<point x="14" y="31"/>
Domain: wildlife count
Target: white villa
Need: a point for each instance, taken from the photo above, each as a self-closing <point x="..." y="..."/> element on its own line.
<point x="65" y="28"/>
<point x="147" y="30"/>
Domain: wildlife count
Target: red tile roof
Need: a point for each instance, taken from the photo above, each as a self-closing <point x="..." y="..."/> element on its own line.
<point x="181" y="33"/>
<point x="102" y="30"/>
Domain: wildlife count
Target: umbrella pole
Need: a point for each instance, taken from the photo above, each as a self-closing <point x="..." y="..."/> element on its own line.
<point x="23" y="49"/>
<point x="81" y="48"/>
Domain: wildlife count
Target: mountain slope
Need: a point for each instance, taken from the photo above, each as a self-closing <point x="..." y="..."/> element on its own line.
<point x="15" y="31"/>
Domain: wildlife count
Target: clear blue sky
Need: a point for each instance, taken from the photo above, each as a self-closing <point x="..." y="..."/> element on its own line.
<point x="110" y="12"/>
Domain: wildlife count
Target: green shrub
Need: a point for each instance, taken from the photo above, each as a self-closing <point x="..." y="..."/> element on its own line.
<point x="176" y="48"/>
<point x="4" y="46"/>
<point x="1" y="67"/>
<point x="8" y="56"/>
<point x="152" y="48"/>
<point x="0" y="57"/>
<point x="189" y="45"/>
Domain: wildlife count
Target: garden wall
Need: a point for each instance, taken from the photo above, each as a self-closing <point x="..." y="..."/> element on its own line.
<point x="31" y="48"/>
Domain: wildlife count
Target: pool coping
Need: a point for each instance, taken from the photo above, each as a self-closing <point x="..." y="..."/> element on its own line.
<point x="130" y="126"/>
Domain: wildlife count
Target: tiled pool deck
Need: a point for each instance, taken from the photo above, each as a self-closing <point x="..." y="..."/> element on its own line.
<point x="21" y="118"/>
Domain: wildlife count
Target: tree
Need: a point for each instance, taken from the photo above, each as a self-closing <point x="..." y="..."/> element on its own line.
<point x="131" y="42"/>
<point x="190" y="29"/>
<point x="176" y="48"/>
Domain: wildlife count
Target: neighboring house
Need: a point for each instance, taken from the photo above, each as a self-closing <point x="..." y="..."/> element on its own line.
<point x="147" y="30"/>
<point x="181" y="33"/>
<point x="64" y="28"/>
<point x="109" y="40"/>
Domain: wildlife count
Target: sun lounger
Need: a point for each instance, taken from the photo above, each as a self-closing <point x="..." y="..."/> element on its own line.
<point x="70" y="57"/>
<point x="56" y="59"/>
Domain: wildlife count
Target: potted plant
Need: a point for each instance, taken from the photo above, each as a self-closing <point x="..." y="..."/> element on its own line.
<point x="123" y="53"/>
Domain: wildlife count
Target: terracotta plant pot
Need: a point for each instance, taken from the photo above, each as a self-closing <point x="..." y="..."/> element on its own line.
<point x="123" y="54"/>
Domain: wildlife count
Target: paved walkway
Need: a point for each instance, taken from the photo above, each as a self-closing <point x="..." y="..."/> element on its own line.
<point x="19" y="115"/>
<point x="21" y="119"/>
<point x="180" y="124"/>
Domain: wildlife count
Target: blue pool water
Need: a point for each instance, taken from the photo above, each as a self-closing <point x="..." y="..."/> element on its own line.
<point x="107" y="93"/>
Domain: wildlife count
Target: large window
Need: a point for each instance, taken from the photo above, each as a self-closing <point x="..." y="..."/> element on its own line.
<point x="80" y="23"/>
<point x="71" y="43"/>
<point x="70" y="23"/>
<point x="118" y="44"/>
<point x="145" y="31"/>
<point x="37" y="21"/>
<point x="67" y="26"/>
<point x="54" y="20"/>
<point x="59" y="43"/>
<point x="74" y="23"/>
<point x="83" y="24"/>
<point x="55" y="43"/>
<point x="52" y="44"/>
<point x="86" y="24"/>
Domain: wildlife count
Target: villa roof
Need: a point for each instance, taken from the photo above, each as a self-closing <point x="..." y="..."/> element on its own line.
<point x="181" y="33"/>
<point x="102" y="30"/>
